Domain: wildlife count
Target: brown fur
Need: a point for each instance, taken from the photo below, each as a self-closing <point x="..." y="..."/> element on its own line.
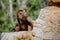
<point x="52" y="3"/>
<point x="23" y="20"/>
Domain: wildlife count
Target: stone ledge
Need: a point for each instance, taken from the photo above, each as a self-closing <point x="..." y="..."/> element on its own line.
<point x="35" y="34"/>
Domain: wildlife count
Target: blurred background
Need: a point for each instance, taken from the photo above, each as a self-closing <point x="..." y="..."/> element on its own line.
<point x="8" y="9"/>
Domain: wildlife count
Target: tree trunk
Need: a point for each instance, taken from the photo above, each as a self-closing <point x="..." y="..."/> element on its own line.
<point x="3" y="6"/>
<point x="11" y="10"/>
<point x="22" y="4"/>
<point x="19" y="4"/>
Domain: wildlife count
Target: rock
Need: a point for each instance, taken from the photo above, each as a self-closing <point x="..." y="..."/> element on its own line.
<point x="35" y="34"/>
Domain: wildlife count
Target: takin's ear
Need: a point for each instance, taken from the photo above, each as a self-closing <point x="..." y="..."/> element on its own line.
<point x="56" y="0"/>
<point x="52" y="0"/>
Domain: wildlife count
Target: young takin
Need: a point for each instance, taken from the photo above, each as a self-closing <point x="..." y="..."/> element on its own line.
<point x="25" y="23"/>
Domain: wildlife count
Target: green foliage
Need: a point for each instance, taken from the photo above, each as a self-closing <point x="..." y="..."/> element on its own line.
<point x="33" y="8"/>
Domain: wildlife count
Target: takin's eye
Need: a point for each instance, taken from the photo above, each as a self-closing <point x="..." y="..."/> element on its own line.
<point x="20" y="13"/>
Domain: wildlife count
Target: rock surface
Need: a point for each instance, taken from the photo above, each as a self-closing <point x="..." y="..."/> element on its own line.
<point x="35" y="34"/>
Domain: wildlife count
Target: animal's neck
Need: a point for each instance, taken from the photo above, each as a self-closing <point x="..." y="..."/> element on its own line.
<point x="22" y="21"/>
<point x="54" y="4"/>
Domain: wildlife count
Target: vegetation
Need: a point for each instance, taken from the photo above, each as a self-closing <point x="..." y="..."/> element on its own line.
<point x="8" y="9"/>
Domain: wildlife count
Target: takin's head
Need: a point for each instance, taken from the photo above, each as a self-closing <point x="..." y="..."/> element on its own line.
<point x="21" y="14"/>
